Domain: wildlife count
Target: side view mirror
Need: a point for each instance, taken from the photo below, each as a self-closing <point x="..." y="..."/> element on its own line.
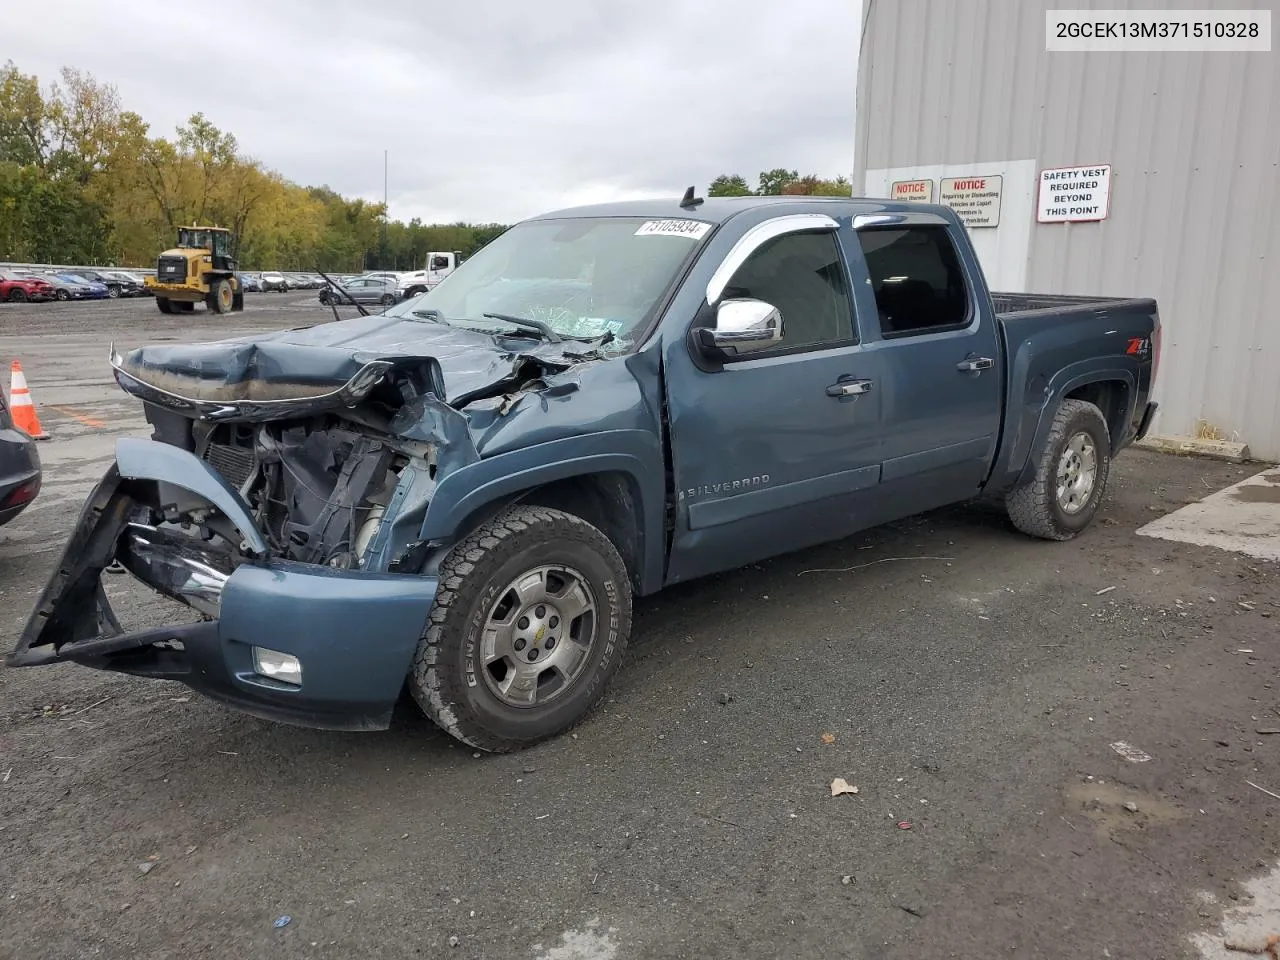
<point x="746" y="326"/>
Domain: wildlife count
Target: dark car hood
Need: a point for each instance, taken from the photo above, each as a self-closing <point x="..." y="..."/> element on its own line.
<point x="316" y="361"/>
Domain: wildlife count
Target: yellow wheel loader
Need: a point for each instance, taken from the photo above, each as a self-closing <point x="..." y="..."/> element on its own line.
<point x="200" y="269"/>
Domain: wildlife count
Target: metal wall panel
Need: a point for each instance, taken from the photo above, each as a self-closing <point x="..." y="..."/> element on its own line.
<point x="1194" y="144"/>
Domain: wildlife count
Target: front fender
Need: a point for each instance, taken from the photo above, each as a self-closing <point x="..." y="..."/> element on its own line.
<point x="138" y="459"/>
<point x="635" y="453"/>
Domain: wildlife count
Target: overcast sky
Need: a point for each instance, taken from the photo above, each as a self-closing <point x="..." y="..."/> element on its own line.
<point x="491" y="109"/>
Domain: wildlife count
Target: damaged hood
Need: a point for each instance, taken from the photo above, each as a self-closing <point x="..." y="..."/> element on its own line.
<point x="338" y="361"/>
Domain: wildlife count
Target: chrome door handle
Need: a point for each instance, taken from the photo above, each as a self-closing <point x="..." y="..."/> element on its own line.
<point x="974" y="364"/>
<point x="849" y="388"/>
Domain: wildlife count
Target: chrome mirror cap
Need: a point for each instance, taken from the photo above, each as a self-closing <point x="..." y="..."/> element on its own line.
<point x="746" y="326"/>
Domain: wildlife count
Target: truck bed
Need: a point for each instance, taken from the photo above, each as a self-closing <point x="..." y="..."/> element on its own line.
<point x="1010" y="305"/>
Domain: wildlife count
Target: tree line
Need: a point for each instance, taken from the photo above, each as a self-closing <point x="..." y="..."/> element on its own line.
<point x="779" y="182"/>
<point x="83" y="180"/>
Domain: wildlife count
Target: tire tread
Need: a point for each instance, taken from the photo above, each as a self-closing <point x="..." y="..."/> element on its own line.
<point x="432" y="673"/>
<point x="1030" y="507"/>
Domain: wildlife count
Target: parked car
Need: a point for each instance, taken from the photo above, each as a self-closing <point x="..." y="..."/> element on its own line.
<point x="67" y="286"/>
<point x="250" y="283"/>
<point x="117" y="286"/>
<point x="363" y="290"/>
<point x="142" y="289"/>
<point x="19" y="288"/>
<point x="464" y="493"/>
<point x="274" y="281"/>
<point x="20" y="473"/>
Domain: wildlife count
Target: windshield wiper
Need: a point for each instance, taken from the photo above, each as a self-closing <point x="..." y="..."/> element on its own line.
<point x="536" y="325"/>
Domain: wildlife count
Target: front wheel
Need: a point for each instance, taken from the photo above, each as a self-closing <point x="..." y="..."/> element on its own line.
<point x="113" y="292"/>
<point x="164" y="304"/>
<point x="1071" y="475"/>
<point x="530" y="623"/>
<point x="63" y="295"/>
<point x="221" y="296"/>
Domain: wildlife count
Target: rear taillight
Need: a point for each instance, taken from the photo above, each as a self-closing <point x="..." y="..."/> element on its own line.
<point x="22" y="493"/>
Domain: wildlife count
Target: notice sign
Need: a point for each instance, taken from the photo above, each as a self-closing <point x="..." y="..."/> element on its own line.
<point x="1070" y="194"/>
<point x="918" y="190"/>
<point x="975" y="199"/>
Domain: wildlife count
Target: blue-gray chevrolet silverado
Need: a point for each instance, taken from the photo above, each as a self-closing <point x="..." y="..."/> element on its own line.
<point x="462" y="494"/>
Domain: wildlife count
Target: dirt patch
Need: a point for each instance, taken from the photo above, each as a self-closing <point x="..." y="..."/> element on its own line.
<point x="1115" y="808"/>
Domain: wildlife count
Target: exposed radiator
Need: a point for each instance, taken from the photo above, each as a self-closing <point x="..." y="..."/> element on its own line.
<point x="236" y="464"/>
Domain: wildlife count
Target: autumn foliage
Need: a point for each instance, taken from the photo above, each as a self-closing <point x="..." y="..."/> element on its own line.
<point x="83" y="181"/>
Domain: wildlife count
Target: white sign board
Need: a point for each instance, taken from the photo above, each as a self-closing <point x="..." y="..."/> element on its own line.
<point x="976" y="199"/>
<point x="1071" y="194"/>
<point x="919" y="190"/>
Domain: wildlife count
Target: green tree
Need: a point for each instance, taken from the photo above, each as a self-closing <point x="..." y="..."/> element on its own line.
<point x="729" y="185"/>
<point x="773" y="181"/>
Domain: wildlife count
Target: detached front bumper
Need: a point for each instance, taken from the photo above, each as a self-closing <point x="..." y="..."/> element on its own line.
<point x="354" y="633"/>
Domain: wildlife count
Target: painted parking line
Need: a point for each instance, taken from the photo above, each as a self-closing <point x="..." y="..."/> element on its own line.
<point x="76" y="415"/>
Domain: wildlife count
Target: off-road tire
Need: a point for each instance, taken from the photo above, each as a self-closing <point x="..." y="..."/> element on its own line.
<point x="1034" y="508"/>
<point x="221" y="297"/>
<point x="164" y="305"/>
<point x="445" y="678"/>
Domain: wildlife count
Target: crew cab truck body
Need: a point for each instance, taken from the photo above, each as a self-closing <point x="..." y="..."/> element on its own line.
<point x="463" y="494"/>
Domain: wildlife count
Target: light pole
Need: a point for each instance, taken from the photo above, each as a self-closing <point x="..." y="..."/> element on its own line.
<point x="385" y="207"/>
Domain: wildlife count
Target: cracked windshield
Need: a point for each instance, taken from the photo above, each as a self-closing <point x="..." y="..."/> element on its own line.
<point x="583" y="279"/>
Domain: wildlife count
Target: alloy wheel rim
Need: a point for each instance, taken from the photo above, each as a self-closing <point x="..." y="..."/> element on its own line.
<point x="1077" y="473"/>
<point x="538" y="636"/>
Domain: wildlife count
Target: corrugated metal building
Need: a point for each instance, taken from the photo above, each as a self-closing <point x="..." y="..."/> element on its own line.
<point x="966" y="89"/>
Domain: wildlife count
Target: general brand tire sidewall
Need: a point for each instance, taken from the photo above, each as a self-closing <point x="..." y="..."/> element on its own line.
<point x="613" y="619"/>
<point x="1093" y="425"/>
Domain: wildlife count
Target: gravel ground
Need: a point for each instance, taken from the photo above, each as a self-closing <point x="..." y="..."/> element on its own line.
<point x="972" y="700"/>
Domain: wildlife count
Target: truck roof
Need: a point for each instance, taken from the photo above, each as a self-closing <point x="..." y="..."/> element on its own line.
<point x="720" y="209"/>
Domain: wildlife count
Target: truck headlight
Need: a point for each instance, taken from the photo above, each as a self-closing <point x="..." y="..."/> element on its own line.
<point x="277" y="666"/>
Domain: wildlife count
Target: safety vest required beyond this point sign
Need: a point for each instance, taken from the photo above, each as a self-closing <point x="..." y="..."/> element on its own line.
<point x="919" y="190"/>
<point x="975" y="199"/>
<point x="1073" y="194"/>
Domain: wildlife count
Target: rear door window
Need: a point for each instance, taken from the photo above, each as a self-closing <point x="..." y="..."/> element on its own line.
<point x="918" y="282"/>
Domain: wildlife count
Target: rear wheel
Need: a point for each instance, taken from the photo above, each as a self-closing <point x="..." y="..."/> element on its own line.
<point x="18" y="295"/>
<point x="165" y="304"/>
<point x="530" y="624"/>
<point x="1071" y="475"/>
<point x="387" y="300"/>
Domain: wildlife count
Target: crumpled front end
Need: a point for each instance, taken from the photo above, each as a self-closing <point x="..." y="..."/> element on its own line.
<point x="318" y="644"/>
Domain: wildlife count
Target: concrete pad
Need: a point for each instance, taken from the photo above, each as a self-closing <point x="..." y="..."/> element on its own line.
<point x="1248" y="929"/>
<point x="1244" y="518"/>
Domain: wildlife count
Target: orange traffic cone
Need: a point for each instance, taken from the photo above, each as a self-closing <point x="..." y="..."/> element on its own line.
<point x="20" y="405"/>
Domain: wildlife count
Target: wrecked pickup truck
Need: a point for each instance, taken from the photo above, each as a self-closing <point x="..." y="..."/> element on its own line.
<point x="462" y="495"/>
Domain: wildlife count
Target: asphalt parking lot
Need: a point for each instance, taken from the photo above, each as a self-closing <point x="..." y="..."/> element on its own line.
<point x="969" y="681"/>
